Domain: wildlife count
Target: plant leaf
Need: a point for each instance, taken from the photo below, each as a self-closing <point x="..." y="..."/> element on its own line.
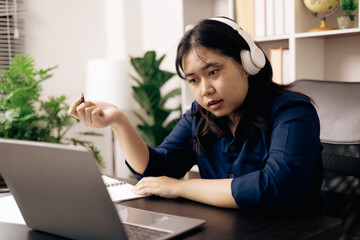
<point x="23" y="115"/>
<point x="91" y="134"/>
<point x="171" y="125"/>
<point x="171" y="94"/>
<point x="159" y="61"/>
<point x="140" y="118"/>
<point x="148" y="96"/>
<point x="161" y="77"/>
<point x="147" y="133"/>
<point x="160" y="115"/>
<point x="136" y="80"/>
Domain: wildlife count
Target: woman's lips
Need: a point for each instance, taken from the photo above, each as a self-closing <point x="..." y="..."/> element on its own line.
<point x="216" y="104"/>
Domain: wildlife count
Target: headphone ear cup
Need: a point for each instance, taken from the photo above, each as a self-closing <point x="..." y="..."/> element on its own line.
<point x="247" y="63"/>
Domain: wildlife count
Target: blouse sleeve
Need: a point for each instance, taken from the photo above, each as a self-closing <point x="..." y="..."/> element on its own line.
<point x="293" y="155"/>
<point x="174" y="157"/>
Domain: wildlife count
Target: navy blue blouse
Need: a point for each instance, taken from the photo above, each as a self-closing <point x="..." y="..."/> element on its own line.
<point x="282" y="169"/>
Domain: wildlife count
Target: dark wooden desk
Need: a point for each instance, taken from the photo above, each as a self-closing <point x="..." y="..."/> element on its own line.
<point x="220" y="223"/>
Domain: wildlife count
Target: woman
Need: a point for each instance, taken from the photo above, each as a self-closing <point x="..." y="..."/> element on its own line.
<point x="256" y="143"/>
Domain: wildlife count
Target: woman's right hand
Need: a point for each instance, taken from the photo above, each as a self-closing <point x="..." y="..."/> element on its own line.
<point x="95" y="114"/>
<point x="102" y="114"/>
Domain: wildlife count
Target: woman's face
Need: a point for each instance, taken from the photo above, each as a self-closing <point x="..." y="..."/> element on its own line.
<point x="217" y="82"/>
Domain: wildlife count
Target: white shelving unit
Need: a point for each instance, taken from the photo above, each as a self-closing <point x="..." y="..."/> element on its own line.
<point x="325" y="55"/>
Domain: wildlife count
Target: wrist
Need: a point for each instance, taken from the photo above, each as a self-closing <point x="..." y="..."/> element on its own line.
<point x="121" y="121"/>
<point x="180" y="186"/>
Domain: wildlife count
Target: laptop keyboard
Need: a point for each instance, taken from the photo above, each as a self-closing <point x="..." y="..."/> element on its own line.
<point x="140" y="233"/>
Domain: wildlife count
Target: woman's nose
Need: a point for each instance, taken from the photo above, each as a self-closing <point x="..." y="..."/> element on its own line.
<point x="207" y="88"/>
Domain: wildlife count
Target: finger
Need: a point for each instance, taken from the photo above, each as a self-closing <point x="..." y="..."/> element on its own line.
<point x="72" y="110"/>
<point x="140" y="185"/>
<point x="142" y="192"/>
<point x="97" y="118"/>
<point x="142" y="189"/>
<point x="146" y="185"/>
<point x="145" y="181"/>
<point x="88" y="115"/>
<point x="80" y="109"/>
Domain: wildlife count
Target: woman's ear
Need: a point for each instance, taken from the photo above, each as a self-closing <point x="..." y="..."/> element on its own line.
<point x="243" y="72"/>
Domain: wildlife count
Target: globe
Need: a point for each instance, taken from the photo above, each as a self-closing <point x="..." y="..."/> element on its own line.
<point x="321" y="9"/>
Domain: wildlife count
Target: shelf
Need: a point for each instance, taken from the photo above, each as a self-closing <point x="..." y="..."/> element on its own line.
<point x="322" y="34"/>
<point x="271" y="38"/>
<point x="330" y="33"/>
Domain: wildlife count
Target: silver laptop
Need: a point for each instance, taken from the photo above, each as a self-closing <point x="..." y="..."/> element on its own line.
<point x="59" y="189"/>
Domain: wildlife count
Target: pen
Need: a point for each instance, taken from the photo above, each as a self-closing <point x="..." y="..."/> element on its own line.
<point x="82" y="97"/>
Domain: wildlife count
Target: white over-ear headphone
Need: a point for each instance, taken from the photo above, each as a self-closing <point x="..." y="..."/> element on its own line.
<point x="254" y="60"/>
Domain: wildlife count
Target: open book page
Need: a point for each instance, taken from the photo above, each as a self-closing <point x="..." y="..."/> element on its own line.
<point x="119" y="190"/>
<point x="10" y="212"/>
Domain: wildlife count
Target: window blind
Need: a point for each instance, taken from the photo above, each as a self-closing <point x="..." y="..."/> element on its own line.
<point x="12" y="30"/>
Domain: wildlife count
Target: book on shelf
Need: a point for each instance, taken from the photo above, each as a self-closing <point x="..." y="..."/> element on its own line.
<point x="119" y="190"/>
<point x="288" y="14"/>
<point x="269" y="16"/>
<point x="285" y="66"/>
<point x="244" y="15"/>
<point x="259" y="18"/>
<point x="279" y="59"/>
<point x="250" y="15"/>
<point x="278" y="17"/>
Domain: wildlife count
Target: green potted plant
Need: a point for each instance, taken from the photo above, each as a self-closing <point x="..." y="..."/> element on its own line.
<point x="24" y="116"/>
<point x="347" y="20"/>
<point x="154" y="127"/>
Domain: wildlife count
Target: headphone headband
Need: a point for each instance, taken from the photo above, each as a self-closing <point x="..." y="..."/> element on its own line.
<point x="257" y="56"/>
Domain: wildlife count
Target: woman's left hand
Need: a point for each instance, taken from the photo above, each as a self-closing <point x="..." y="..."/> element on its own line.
<point x="160" y="186"/>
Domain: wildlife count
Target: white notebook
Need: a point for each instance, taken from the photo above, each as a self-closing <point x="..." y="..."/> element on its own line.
<point x="119" y="190"/>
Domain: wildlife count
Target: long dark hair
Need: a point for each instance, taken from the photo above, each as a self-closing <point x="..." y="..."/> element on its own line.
<point x="223" y="39"/>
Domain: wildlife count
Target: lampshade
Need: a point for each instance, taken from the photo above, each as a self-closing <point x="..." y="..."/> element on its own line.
<point x="108" y="80"/>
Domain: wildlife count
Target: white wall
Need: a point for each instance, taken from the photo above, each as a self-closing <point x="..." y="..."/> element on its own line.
<point x="65" y="33"/>
<point x="162" y="22"/>
<point x="69" y="33"/>
<point x="345" y="49"/>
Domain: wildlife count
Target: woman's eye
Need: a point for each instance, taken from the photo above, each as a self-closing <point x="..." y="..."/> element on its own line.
<point x="213" y="72"/>
<point x="192" y="81"/>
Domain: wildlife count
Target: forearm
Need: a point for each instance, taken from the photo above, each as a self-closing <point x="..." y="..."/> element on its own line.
<point x="216" y="192"/>
<point x="131" y="144"/>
